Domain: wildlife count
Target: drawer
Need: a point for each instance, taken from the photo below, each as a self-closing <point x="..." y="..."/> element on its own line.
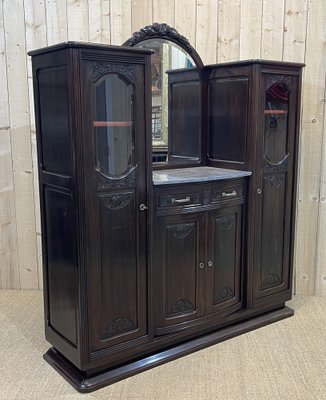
<point x="179" y="198"/>
<point x="223" y="193"/>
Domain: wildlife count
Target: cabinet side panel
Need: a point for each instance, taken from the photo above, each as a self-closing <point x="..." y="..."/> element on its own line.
<point x="54" y="120"/>
<point x="228" y="110"/>
<point x="61" y="262"/>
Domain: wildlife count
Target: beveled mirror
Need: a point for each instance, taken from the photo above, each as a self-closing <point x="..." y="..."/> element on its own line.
<point x="176" y="94"/>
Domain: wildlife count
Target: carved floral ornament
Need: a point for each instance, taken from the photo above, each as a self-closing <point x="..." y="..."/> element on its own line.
<point x="155" y="30"/>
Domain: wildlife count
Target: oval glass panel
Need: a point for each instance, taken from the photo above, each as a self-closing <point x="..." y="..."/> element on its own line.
<point x="114" y="126"/>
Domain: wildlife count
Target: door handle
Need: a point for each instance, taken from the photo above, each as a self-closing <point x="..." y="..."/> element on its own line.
<point x="142" y="207"/>
<point x="181" y="201"/>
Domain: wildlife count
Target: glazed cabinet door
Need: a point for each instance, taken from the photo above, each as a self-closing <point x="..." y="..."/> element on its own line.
<point x="224" y="259"/>
<point x="178" y="270"/>
<point x="115" y="187"/>
<point x="274" y="190"/>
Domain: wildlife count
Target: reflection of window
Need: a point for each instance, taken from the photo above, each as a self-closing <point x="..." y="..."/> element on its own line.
<point x="156" y="122"/>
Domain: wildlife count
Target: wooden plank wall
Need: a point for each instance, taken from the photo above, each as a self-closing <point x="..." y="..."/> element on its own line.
<point x="221" y="30"/>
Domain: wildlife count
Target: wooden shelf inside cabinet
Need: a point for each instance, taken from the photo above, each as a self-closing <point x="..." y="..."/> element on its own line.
<point x="101" y="124"/>
<point x="275" y="112"/>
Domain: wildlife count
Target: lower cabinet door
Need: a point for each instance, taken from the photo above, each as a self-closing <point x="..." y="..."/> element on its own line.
<point x="179" y="270"/>
<point x="224" y="260"/>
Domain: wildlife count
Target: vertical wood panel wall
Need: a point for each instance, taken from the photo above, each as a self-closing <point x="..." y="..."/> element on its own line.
<point x="221" y="30"/>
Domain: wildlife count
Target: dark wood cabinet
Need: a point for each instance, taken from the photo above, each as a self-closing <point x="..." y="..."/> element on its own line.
<point x="198" y="256"/>
<point x="141" y="267"/>
<point x="265" y="97"/>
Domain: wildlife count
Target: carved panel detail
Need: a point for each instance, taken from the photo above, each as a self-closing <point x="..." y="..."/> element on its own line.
<point x="225" y="223"/>
<point x="119" y="325"/>
<point x="281" y="166"/>
<point x="275" y="180"/>
<point x="181" y="306"/>
<point x="223" y="293"/>
<point x="181" y="231"/>
<point x="271" y="280"/>
<point x="117" y="201"/>
<point x="104" y="183"/>
<point x="272" y="79"/>
<point x="100" y="69"/>
<point x="157" y="30"/>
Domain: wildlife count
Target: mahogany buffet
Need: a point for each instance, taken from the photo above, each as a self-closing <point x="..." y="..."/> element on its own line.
<point x="168" y="194"/>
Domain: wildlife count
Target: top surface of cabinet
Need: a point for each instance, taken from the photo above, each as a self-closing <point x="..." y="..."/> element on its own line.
<point x="94" y="46"/>
<point x="255" y="61"/>
<point x="195" y="174"/>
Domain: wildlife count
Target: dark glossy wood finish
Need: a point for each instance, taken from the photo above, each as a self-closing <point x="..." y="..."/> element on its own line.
<point x="86" y="384"/>
<point x="270" y="137"/>
<point x="185" y="114"/>
<point x="135" y="276"/>
<point x="198" y="256"/>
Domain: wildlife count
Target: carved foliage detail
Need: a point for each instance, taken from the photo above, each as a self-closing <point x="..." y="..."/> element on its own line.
<point x="181" y="305"/>
<point x="117" y="201"/>
<point x="107" y="183"/>
<point x="275" y="180"/>
<point x="272" y="79"/>
<point x="101" y="69"/>
<point x="225" y="223"/>
<point x="181" y="231"/>
<point x="119" y="325"/>
<point x="223" y="293"/>
<point x="271" y="280"/>
<point x="157" y="30"/>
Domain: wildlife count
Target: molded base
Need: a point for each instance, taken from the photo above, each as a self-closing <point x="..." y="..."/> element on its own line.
<point x="77" y="379"/>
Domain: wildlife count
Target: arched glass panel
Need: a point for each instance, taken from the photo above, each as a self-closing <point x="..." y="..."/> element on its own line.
<point x="276" y="121"/>
<point x="114" y="126"/>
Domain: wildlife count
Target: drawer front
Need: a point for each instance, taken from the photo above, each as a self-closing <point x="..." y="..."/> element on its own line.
<point x="223" y="193"/>
<point x="179" y="199"/>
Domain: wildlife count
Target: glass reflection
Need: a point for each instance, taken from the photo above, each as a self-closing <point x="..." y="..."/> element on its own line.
<point x="114" y="125"/>
<point x="276" y="122"/>
<point x="167" y="56"/>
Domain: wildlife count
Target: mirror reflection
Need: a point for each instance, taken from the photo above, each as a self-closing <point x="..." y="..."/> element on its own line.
<point x="171" y="110"/>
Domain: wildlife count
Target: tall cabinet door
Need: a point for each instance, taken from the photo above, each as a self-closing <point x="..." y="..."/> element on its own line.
<point x="223" y="270"/>
<point x="179" y="271"/>
<point x="275" y="185"/>
<point x="115" y="187"/>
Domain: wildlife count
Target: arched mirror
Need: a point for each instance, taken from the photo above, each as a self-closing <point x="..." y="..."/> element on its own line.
<point x="176" y="94"/>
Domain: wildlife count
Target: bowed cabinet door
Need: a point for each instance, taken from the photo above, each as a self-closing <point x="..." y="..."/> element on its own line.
<point x="224" y="264"/>
<point x="179" y="257"/>
<point x="115" y="185"/>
